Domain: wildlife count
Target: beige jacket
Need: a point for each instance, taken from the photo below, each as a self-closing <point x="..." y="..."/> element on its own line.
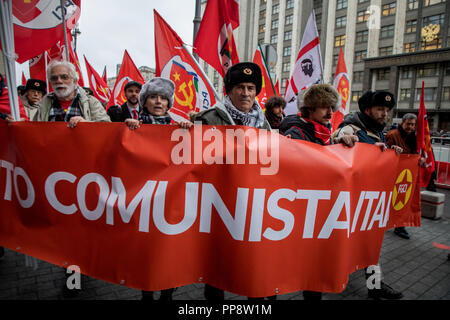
<point x="91" y="108"/>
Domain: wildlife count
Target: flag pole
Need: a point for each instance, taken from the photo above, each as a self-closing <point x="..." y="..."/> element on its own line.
<point x="63" y="15"/>
<point x="216" y="95"/>
<point x="197" y="21"/>
<point x="7" y="39"/>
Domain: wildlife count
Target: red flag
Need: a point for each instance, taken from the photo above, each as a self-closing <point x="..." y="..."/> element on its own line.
<point x="285" y="88"/>
<point x="58" y="52"/>
<point x="5" y="106"/>
<point x="128" y="72"/>
<point x="277" y="88"/>
<point x="38" y="25"/>
<point x="96" y="83"/>
<point x="342" y="85"/>
<point x="214" y="42"/>
<point x="192" y="90"/>
<point x="424" y="142"/>
<point x="104" y="76"/>
<point x="267" y="89"/>
<point x="24" y="80"/>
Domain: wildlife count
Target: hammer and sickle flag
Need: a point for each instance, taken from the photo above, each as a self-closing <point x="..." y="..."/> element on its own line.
<point x="192" y="90"/>
<point x="342" y="85"/>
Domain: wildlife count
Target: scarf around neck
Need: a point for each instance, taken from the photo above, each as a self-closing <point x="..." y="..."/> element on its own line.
<point x="254" y="118"/>
<point x="320" y="131"/>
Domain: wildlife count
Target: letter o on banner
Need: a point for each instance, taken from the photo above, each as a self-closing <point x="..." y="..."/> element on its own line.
<point x="29" y="201"/>
<point x="103" y="195"/>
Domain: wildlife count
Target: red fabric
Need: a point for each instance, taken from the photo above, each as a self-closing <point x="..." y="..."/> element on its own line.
<point x="267" y="89"/>
<point x="65" y="104"/>
<point x="214" y="42"/>
<point x="424" y="142"/>
<point x="135" y="115"/>
<point x="104" y="76"/>
<point x="24" y="80"/>
<point x="277" y="88"/>
<point x="192" y="90"/>
<point x="342" y="85"/>
<point x="97" y="84"/>
<point x="5" y="107"/>
<point x="320" y="131"/>
<point x="39" y="25"/>
<point x="147" y="222"/>
<point x="38" y="66"/>
<point x="128" y="72"/>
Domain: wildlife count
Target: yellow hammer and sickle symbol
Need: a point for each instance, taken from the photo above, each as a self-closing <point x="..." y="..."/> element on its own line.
<point x="188" y="99"/>
<point x="344" y="93"/>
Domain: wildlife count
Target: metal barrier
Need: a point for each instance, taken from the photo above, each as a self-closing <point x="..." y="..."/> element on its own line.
<point x="442" y="158"/>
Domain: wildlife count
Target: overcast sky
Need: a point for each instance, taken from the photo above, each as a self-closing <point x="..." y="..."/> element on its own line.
<point x="108" y="27"/>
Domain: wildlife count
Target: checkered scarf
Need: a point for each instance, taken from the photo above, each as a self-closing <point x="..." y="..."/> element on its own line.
<point x="254" y="118"/>
<point x="57" y="113"/>
<point x="147" y="118"/>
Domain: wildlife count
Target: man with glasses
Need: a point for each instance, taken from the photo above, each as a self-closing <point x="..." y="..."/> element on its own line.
<point x="68" y="102"/>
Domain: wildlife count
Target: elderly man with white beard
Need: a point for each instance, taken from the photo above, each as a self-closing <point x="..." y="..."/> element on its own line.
<point x="68" y="102"/>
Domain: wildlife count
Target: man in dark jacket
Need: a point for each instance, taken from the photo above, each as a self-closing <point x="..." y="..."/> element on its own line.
<point x="368" y="125"/>
<point x="131" y="108"/>
<point x="312" y="123"/>
<point x="243" y="82"/>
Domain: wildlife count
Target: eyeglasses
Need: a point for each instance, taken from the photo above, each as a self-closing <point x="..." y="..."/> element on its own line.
<point x="57" y="76"/>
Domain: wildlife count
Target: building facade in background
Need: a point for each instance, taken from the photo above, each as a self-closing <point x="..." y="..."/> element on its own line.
<point x="388" y="44"/>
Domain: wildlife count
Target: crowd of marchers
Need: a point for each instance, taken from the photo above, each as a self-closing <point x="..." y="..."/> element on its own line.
<point x="150" y="104"/>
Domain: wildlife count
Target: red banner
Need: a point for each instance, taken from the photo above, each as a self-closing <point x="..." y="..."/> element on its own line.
<point x="169" y="212"/>
<point x="97" y="84"/>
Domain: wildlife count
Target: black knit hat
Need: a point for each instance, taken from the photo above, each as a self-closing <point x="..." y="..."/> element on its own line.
<point x="243" y="72"/>
<point x="376" y="98"/>
<point x="131" y="84"/>
<point x="36" y="84"/>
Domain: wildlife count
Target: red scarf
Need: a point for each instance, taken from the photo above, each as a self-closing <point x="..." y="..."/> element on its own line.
<point x="320" y="131"/>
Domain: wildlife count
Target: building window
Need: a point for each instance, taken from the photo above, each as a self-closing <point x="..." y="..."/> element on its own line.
<point x="274" y="38"/>
<point x="409" y="47"/>
<point x="387" y="32"/>
<point x="429" y="94"/>
<point x="286" y="51"/>
<point x="360" y="55"/>
<point x="262" y="15"/>
<point x="341" y="4"/>
<point x="431" y="45"/>
<point x="428" y="70"/>
<point x="411" y="26"/>
<point x="389" y="9"/>
<point x="405" y="94"/>
<point x="275" y="8"/>
<point x="339" y="41"/>
<point x="283" y="83"/>
<point x="447" y="69"/>
<point x="288" y="35"/>
<point x="286" y="66"/>
<point x="363" y="16"/>
<point x="362" y="1"/>
<point x="274" y="24"/>
<point x="362" y="36"/>
<point x="356" y="95"/>
<point x="289" y="4"/>
<point x="436" y="19"/>
<point x="358" y="76"/>
<point x="262" y="28"/>
<point x="289" y="19"/>
<point x="413" y="4"/>
<point x="432" y="2"/>
<point x="335" y="59"/>
<point x="446" y="93"/>
<point x="383" y="74"/>
<point x="407" y="73"/>
<point x="385" y="51"/>
<point x="341" y="22"/>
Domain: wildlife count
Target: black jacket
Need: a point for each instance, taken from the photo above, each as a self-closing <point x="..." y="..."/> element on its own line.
<point x="120" y="114"/>
<point x="299" y="129"/>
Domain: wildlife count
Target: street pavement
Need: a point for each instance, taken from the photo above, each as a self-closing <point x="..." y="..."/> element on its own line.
<point x="416" y="267"/>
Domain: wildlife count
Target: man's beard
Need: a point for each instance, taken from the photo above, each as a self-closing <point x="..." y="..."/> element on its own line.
<point x="66" y="92"/>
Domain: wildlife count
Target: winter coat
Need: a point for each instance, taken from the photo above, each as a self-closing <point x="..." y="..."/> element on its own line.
<point x="91" y="108"/>
<point x="353" y="125"/>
